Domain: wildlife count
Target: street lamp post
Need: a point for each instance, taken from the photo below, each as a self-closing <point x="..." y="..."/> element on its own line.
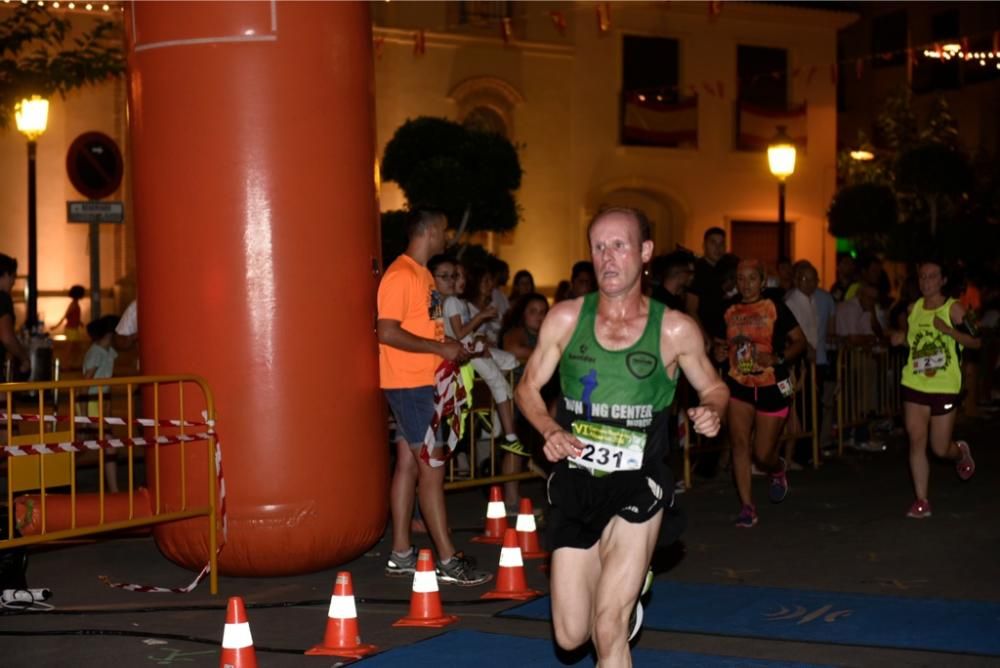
<point x="781" y="160"/>
<point x="31" y="115"/>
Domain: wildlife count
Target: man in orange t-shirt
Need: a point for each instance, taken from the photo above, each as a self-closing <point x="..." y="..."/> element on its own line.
<point x="411" y="346"/>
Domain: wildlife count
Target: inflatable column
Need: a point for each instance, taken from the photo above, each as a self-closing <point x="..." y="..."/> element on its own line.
<point x="252" y="143"/>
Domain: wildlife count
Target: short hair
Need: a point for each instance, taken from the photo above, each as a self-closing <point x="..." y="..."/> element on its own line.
<point x="802" y="266"/>
<point x="438" y="260"/>
<point x="844" y="255"/>
<point x="754" y="264"/>
<point x="77" y="292"/>
<point x="420" y="218"/>
<point x="8" y="265"/>
<point x="98" y="329"/>
<point x="498" y="267"/>
<point x="866" y="261"/>
<point x="582" y="267"/>
<point x="713" y="230"/>
<point x="676" y="261"/>
<point x="637" y="215"/>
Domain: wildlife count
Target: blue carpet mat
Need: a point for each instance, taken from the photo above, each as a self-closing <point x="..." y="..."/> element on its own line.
<point x="488" y="650"/>
<point x="960" y="627"/>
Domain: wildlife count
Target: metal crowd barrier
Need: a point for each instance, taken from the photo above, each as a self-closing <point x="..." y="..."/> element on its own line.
<point x="481" y="418"/>
<point x="804" y="406"/>
<point x="42" y="417"/>
<point x="867" y="387"/>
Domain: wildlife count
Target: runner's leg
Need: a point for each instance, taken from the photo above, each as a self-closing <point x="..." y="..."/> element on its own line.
<point x="916" y="417"/>
<point x="940" y="436"/>
<point x="574" y="576"/>
<point x="741" y="416"/>
<point x="625" y="551"/>
<point x="765" y="443"/>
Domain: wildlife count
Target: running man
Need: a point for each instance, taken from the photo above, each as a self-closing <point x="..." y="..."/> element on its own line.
<point x="619" y="356"/>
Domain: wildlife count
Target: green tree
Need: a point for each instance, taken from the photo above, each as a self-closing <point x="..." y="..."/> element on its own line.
<point x="35" y="58"/>
<point x="921" y="163"/>
<point x="468" y="174"/>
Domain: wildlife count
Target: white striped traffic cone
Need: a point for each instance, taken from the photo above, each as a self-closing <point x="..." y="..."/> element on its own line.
<point x="496" y="518"/>
<point x="237" y="644"/>
<point x="342" y="637"/>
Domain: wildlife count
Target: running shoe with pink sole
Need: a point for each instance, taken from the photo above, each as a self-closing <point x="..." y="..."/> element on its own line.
<point x="965" y="466"/>
<point x="921" y="509"/>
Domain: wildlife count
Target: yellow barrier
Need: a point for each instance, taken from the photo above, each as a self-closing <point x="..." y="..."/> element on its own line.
<point x="804" y="403"/>
<point x="867" y="387"/>
<point x="481" y="416"/>
<point x="40" y="473"/>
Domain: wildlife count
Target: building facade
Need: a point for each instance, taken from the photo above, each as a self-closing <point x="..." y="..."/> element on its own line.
<point x="664" y="106"/>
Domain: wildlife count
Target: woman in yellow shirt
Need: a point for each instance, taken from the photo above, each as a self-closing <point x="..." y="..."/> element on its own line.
<point x="932" y="380"/>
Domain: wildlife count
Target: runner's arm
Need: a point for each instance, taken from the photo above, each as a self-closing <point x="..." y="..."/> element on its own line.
<point x="957" y="314"/>
<point x="682" y="335"/>
<point x="556" y="330"/>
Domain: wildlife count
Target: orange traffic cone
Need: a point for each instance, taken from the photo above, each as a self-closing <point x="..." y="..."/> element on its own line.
<point x="510" y="577"/>
<point x="342" y="637"/>
<point x="425" y="603"/>
<point x="496" y="518"/>
<point x="237" y="645"/>
<point x="527" y="536"/>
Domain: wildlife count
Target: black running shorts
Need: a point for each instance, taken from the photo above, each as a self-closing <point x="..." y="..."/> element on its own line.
<point x="581" y="505"/>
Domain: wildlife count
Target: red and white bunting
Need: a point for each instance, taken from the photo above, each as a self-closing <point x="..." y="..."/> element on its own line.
<point x="603" y="17"/>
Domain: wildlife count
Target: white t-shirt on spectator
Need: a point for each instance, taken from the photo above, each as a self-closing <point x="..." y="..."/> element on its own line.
<point x="853" y="320"/>
<point x="456" y="306"/>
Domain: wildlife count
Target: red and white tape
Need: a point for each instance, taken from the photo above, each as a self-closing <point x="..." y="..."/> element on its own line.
<point x="117" y="421"/>
<point x="116" y="443"/>
<point x="99" y="444"/>
<point x="153" y="589"/>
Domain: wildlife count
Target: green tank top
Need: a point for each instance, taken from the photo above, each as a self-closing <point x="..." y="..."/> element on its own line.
<point x="626" y="388"/>
<point x="933" y="365"/>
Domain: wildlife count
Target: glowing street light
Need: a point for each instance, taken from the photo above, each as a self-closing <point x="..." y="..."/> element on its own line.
<point x="31" y="116"/>
<point x="781" y="160"/>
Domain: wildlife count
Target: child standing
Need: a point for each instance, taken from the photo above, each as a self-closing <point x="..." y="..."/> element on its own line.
<point x="72" y="317"/>
<point x="99" y="362"/>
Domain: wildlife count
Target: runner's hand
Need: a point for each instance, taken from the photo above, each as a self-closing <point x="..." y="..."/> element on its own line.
<point x="560" y="444"/>
<point x="453" y="351"/>
<point x="705" y="420"/>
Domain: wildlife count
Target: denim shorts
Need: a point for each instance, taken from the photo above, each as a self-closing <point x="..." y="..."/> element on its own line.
<point x="413" y="408"/>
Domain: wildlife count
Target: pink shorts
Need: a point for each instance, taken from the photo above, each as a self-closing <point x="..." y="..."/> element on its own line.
<point x="783" y="413"/>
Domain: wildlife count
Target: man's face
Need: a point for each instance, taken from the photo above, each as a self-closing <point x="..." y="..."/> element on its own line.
<point x="582" y="284"/>
<point x="6" y="282"/>
<point x="867" y="296"/>
<point x="845" y="268"/>
<point x="872" y="273"/>
<point x="807" y="282"/>
<point x="715" y="247"/>
<point x="618" y="253"/>
<point x="436" y="235"/>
